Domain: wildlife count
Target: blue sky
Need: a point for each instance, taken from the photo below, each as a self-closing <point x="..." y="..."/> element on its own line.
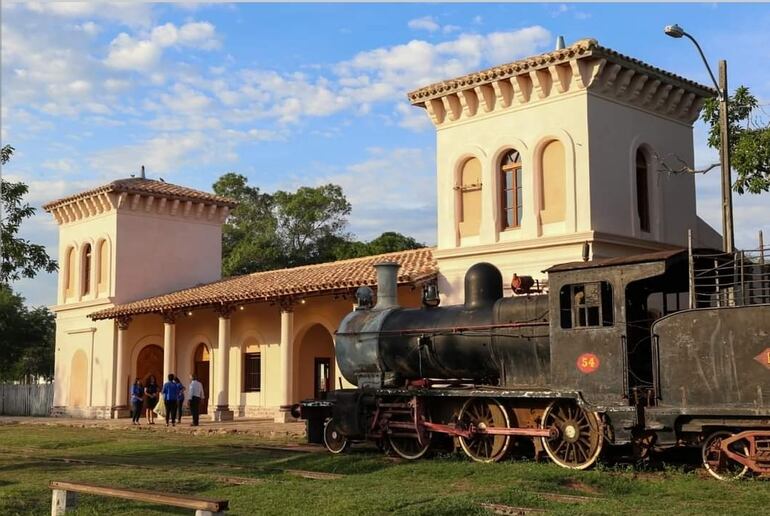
<point x="304" y="94"/>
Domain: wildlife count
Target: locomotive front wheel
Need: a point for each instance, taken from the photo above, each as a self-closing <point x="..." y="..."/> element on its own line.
<point x="333" y="439"/>
<point x="409" y="448"/>
<point x="579" y="440"/>
<point x="481" y="413"/>
<point x="717" y="463"/>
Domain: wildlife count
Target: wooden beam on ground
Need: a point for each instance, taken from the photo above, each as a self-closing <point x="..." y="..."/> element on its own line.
<point x="138" y="495"/>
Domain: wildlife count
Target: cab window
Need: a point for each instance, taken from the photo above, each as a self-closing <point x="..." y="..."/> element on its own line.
<point x="586" y="305"/>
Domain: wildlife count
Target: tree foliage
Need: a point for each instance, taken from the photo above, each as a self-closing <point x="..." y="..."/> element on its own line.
<point x="20" y="257"/>
<point x="28" y="336"/>
<point x="749" y="140"/>
<point x="288" y="229"/>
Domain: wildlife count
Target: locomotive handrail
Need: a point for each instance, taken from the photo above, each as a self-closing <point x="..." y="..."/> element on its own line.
<point x="448" y="329"/>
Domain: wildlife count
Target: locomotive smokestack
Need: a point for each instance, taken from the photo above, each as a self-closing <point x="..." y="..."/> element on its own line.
<point x="387" y="285"/>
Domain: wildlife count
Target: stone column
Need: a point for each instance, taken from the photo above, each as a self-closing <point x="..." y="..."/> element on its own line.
<point x="120" y="407"/>
<point x="222" y="411"/>
<point x="169" y="345"/>
<point x="287" y="378"/>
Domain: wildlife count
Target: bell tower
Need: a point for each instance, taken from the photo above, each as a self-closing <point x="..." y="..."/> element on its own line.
<point x="538" y="156"/>
<point x="130" y="239"/>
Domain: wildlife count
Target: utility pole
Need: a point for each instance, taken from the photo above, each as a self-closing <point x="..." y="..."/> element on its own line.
<point x="728" y="237"/>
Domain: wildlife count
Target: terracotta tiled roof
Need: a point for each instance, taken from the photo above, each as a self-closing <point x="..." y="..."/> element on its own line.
<point x="142" y="186"/>
<point x="588" y="47"/>
<point x="345" y="275"/>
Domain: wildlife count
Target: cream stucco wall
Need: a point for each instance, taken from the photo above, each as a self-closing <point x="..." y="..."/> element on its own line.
<point x="600" y="137"/>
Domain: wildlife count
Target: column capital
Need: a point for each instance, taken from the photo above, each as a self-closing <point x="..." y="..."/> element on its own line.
<point x="286" y="304"/>
<point x="169" y="317"/>
<point x="123" y="321"/>
<point x="225" y="311"/>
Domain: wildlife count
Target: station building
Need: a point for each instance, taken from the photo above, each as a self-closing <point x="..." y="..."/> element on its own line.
<point x="535" y="158"/>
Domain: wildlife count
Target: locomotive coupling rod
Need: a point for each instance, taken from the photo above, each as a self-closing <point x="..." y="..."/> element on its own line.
<point x="522" y="432"/>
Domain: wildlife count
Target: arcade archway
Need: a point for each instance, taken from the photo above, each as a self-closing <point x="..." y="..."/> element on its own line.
<point x="315" y="364"/>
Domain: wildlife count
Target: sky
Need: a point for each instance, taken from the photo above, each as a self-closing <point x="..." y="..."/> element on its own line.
<point x="307" y="94"/>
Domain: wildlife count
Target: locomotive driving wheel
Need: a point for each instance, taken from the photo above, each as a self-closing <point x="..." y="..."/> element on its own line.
<point x="580" y="435"/>
<point x="717" y="463"/>
<point x="481" y="413"/>
<point x="334" y="440"/>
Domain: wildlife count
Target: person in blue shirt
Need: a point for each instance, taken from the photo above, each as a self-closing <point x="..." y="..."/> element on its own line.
<point x="179" y="399"/>
<point x="137" y="400"/>
<point x="170" y="393"/>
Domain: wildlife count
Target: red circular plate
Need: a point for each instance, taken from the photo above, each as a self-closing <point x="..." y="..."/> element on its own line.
<point x="588" y="363"/>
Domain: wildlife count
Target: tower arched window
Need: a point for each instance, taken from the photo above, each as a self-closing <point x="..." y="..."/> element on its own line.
<point x="511" y="202"/>
<point x="69" y="273"/>
<point x="87" y="261"/>
<point x="552" y="179"/>
<point x="469" y="216"/>
<point x="642" y="191"/>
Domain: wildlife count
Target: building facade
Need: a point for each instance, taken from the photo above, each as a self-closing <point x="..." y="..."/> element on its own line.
<point x="534" y="159"/>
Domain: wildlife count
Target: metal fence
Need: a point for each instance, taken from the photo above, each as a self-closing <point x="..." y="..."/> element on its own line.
<point x="26" y="400"/>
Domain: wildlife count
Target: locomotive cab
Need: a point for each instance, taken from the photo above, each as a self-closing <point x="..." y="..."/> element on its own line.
<point x="600" y="331"/>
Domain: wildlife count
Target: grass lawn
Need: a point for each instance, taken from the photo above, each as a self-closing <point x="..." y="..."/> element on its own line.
<point x="260" y="481"/>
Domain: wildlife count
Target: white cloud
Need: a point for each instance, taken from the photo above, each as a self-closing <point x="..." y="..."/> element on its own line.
<point x="89" y="27"/>
<point x="129" y="53"/>
<point x="133" y="14"/>
<point x="425" y="23"/>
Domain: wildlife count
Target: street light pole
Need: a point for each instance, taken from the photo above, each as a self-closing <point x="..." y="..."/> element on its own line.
<point x="728" y="239"/>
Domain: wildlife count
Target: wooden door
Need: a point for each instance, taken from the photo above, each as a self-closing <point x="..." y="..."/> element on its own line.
<point x="202" y="372"/>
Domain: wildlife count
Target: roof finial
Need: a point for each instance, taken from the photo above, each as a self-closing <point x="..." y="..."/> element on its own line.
<point x="560" y="43"/>
<point x="143" y="176"/>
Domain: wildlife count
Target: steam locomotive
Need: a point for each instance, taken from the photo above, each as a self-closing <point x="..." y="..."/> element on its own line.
<point x="654" y="351"/>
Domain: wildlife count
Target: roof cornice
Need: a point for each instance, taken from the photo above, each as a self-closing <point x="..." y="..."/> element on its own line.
<point x="585" y="65"/>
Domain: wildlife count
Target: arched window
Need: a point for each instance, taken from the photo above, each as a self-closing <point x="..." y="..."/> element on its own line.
<point x="552" y="191"/>
<point x="510" y="174"/>
<point x="469" y="216"/>
<point x="103" y="270"/>
<point x="69" y="273"/>
<point x="642" y="191"/>
<point x="86" y="269"/>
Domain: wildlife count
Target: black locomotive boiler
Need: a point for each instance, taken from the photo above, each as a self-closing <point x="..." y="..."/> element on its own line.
<point x="656" y="350"/>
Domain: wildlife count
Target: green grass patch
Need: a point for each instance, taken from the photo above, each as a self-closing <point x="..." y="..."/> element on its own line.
<point x="206" y="465"/>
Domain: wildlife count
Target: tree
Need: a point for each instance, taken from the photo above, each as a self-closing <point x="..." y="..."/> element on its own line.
<point x="20" y="258"/>
<point x="287" y="229"/>
<point x="28" y="336"/>
<point x="749" y="140"/>
<point x="249" y="241"/>
<point x="388" y="242"/>
<point x="309" y="218"/>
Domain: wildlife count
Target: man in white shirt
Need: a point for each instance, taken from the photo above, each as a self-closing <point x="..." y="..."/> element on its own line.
<point x="196" y="395"/>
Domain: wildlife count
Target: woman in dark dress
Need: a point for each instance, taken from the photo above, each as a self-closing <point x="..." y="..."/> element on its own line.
<point x="151" y="398"/>
<point x="137" y="401"/>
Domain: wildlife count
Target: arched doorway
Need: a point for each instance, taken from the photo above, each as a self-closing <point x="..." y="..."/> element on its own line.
<point x="150" y="363"/>
<point x="315" y="364"/>
<point x="78" y="379"/>
<point x="201" y="369"/>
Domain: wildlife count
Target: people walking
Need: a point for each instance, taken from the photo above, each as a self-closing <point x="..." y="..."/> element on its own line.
<point x="150" y="399"/>
<point x="196" y="395"/>
<point x="137" y="401"/>
<point x="179" y="399"/>
<point x="170" y="393"/>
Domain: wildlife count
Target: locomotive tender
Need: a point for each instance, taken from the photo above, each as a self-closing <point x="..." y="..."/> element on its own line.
<point x="657" y="350"/>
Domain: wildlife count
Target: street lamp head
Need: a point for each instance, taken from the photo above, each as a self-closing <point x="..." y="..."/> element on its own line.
<point x="675" y="31"/>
